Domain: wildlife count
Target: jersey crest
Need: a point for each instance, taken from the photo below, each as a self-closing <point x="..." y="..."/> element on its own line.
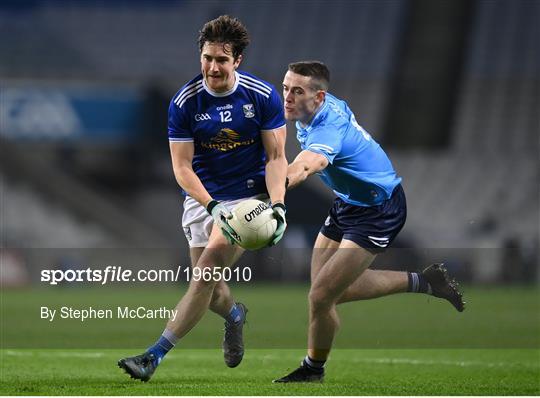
<point x="249" y="111"/>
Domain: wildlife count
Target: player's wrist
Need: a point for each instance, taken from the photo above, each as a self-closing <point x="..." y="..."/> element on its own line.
<point x="211" y="205"/>
<point x="280" y="205"/>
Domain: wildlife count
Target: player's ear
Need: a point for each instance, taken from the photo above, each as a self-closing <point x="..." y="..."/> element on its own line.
<point x="321" y="95"/>
<point x="237" y="61"/>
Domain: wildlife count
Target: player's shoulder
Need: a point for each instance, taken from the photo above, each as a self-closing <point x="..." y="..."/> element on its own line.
<point x="255" y="84"/>
<point x="188" y="91"/>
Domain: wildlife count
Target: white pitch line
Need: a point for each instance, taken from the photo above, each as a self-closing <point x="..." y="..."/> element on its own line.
<point x="409" y="361"/>
<point x="61" y="354"/>
<point x="424" y="362"/>
<point x="78" y="354"/>
<point x="381" y="361"/>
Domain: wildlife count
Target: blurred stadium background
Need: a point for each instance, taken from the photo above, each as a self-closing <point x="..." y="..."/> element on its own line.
<point x="450" y="88"/>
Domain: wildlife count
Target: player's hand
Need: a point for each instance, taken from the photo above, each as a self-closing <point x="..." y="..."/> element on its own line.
<point x="221" y="214"/>
<point x="279" y="213"/>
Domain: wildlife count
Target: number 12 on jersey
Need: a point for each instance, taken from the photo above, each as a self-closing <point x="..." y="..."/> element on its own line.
<point x="225" y="116"/>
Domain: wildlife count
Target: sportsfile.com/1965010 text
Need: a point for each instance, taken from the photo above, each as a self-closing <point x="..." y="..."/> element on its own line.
<point x="117" y="274"/>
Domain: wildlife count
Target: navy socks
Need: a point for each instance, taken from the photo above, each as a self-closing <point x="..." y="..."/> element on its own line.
<point x="418" y="283"/>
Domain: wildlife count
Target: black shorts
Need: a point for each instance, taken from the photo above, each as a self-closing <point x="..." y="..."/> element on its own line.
<point x="374" y="228"/>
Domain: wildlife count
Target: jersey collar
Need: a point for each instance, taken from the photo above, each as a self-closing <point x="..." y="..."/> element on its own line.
<point x="229" y="92"/>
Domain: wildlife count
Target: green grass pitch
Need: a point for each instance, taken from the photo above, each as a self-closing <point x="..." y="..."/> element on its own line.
<point x="398" y="345"/>
<point x="202" y="372"/>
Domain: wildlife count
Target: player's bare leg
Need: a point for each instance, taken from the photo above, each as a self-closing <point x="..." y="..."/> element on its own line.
<point x="196" y="301"/>
<point x="222" y="303"/>
<point x="190" y="309"/>
<point x="375" y="283"/>
<point x="335" y="276"/>
<point x="370" y="284"/>
<point x="222" y="299"/>
<point x="342" y="266"/>
<point x="323" y="249"/>
<point x="378" y="283"/>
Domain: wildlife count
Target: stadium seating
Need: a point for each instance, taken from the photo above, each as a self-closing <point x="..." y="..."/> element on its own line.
<point x="480" y="191"/>
<point x="30" y="220"/>
<point x="492" y="170"/>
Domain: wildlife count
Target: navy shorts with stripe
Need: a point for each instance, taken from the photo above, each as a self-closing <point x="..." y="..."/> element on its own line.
<point x="374" y="228"/>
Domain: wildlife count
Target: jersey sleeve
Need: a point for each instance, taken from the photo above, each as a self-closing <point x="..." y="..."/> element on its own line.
<point x="326" y="141"/>
<point x="272" y="114"/>
<point x="178" y="126"/>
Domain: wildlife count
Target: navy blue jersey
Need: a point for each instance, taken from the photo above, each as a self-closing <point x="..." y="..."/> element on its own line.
<point x="226" y="130"/>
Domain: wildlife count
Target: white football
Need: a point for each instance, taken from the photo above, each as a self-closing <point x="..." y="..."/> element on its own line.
<point x="254" y="223"/>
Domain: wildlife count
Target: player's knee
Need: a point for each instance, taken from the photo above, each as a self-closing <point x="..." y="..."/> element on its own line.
<point x="203" y="282"/>
<point x="319" y="300"/>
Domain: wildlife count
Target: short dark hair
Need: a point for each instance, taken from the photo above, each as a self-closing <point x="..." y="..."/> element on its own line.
<point x="319" y="73"/>
<point x="225" y="30"/>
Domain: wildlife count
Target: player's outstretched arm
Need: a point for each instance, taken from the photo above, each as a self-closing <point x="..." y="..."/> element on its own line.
<point x="304" y="165"/>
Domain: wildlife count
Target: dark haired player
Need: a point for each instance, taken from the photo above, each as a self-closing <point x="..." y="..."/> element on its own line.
<point x="367" y="215"/>
<point x="227" y="138"/>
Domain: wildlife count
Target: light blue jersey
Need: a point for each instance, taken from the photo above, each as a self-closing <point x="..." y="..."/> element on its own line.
<point x="359" y="171"/>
